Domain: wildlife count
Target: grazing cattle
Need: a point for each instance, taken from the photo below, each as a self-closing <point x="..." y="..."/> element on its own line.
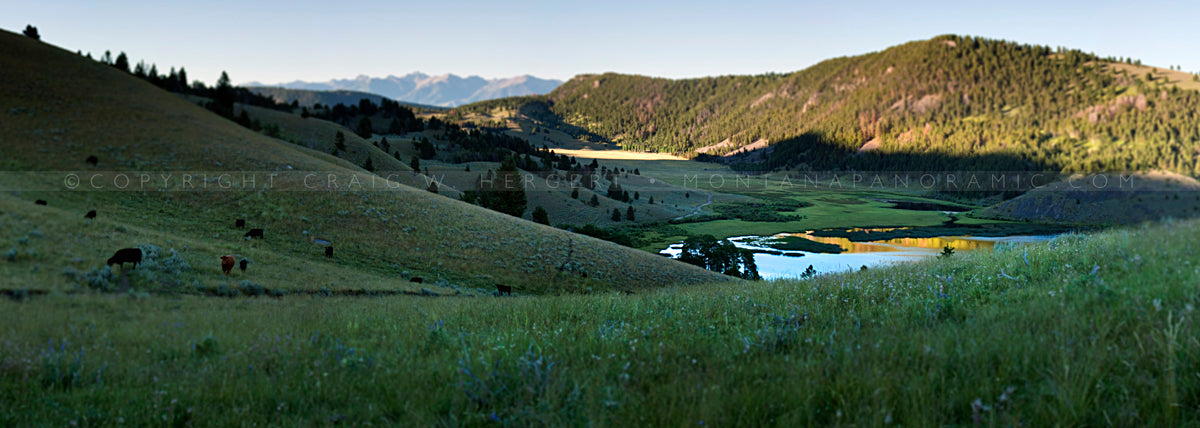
<point x="417" y="280"/>
<point x="91" y="215"/>
<point x="240" y="223"/>
<point x="329" y="251"/>
<point x="93" y="160"/>
<point x="255" y="233"/>
<point x="242" y="264"/>
<point x="126" y="255"/>
<point x="503" y="289"/>
<point x="227" y="264"/>
<point x="40" y="202"/>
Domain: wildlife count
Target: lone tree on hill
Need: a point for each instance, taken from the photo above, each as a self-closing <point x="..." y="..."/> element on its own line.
<point x="541" y="216"/>
<point x="504" y="191"/>
<point x="426" y="149"/>
<point x="339" y="141"/>
<point x="31" y="32"/>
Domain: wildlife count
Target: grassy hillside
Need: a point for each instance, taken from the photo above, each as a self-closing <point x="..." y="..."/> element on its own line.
<point x="1104" y="199"/>
<point x="62" y="108"/>
<point x="945" y="103"/>
<point x="1080" y="331"/>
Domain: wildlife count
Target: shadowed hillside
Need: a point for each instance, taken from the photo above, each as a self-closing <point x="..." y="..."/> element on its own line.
<point x="61" y="108"/>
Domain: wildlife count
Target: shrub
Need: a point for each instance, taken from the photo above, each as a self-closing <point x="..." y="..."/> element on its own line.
<point x="155" y="273"/>
<point x="251" y="289"/>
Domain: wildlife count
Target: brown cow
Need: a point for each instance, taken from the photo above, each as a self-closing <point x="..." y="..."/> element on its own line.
<point x="227" y="263"/>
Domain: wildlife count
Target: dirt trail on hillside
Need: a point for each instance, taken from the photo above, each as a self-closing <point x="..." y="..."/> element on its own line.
<point x="698" y="209"/>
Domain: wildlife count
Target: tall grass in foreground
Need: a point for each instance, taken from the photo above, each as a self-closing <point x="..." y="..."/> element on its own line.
<point x="1083" y="330"/>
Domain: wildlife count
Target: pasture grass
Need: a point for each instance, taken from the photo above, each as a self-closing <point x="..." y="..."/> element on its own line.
<point x="1082" y="330"/>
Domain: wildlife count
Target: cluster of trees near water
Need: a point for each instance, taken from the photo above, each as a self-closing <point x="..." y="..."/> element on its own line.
<point x="949" y="102"/>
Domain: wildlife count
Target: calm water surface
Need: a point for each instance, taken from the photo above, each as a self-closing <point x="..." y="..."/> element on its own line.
<point x="859" y="254"/>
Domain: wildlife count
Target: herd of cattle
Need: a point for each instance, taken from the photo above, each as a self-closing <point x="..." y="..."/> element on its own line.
<point x="134" y="255"/>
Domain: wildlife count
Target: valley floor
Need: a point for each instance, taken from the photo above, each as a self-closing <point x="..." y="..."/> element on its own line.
<point x="1082" y="330"/>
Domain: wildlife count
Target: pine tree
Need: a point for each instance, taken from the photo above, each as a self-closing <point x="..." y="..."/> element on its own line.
<point x="415" y="164"/>
<point x="223" y="96"/>
<point x="183" y="81"/>
<point x="426" y="149"/>
<point x="364" y="128"/>
<point x="339" y="141"/>
<point x="369" y="166"/>
<point x="651" y="200"/>
<point x="32" y="32"/>
<point x="505" y="191"/>
<point x="616" y="214"/>
<point x="122" y="62"/>
<point x="595" y="202"/>
<point x="574" y="193"/>
<point x="629" y="215"/>
<point x="540" y="215"/>
<point x="433" y="187"/>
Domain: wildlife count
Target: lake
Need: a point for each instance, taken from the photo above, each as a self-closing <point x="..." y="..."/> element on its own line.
<point x="858" y="254"/>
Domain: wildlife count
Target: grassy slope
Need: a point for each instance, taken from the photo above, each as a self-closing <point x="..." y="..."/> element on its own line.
<point x="1080" y="331"/>
<point x="62" y="108"/>
<point x="1105" y="199"/>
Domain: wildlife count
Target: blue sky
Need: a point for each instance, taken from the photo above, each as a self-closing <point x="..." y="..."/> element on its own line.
<point x="277" y="41"/>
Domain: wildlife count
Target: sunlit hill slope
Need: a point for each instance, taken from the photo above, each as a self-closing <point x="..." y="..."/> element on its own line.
<point x="60" y="108"/>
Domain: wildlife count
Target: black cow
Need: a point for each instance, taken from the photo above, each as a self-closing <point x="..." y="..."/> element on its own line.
<point x="93" y="160"/>
<point x="417" y="280"/>
<point x="329" y="251"/>
<point x="503" y="289"/>
<point x="40" y="202"/>
<point x="91" y="215"/>
<point x="240" y="223"/>
<point x="126" y="255"/>
<point x="242" y="264"/>
<point x="254" y="233"/>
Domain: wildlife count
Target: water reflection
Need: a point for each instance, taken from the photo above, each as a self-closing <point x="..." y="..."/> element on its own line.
<point x="858" y="254"/>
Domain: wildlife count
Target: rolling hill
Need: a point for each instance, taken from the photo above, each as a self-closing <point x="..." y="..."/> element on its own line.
<point x="944" y="103"/>
<point x="60" y="108"/>
<point x="447" y="90"/>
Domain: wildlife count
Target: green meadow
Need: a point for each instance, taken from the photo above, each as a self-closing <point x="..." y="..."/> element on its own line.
<point x="1083" y="330"/>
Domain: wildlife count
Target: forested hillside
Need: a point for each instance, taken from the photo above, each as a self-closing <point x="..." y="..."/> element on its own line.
<point x="949" y="102"/>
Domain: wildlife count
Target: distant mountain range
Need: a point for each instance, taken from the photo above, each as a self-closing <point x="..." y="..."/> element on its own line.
<point x="308" y="97"/>
<point x="447" y="90"/>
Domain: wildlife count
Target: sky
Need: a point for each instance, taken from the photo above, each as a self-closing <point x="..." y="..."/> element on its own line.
<point x="282" y="41"/>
